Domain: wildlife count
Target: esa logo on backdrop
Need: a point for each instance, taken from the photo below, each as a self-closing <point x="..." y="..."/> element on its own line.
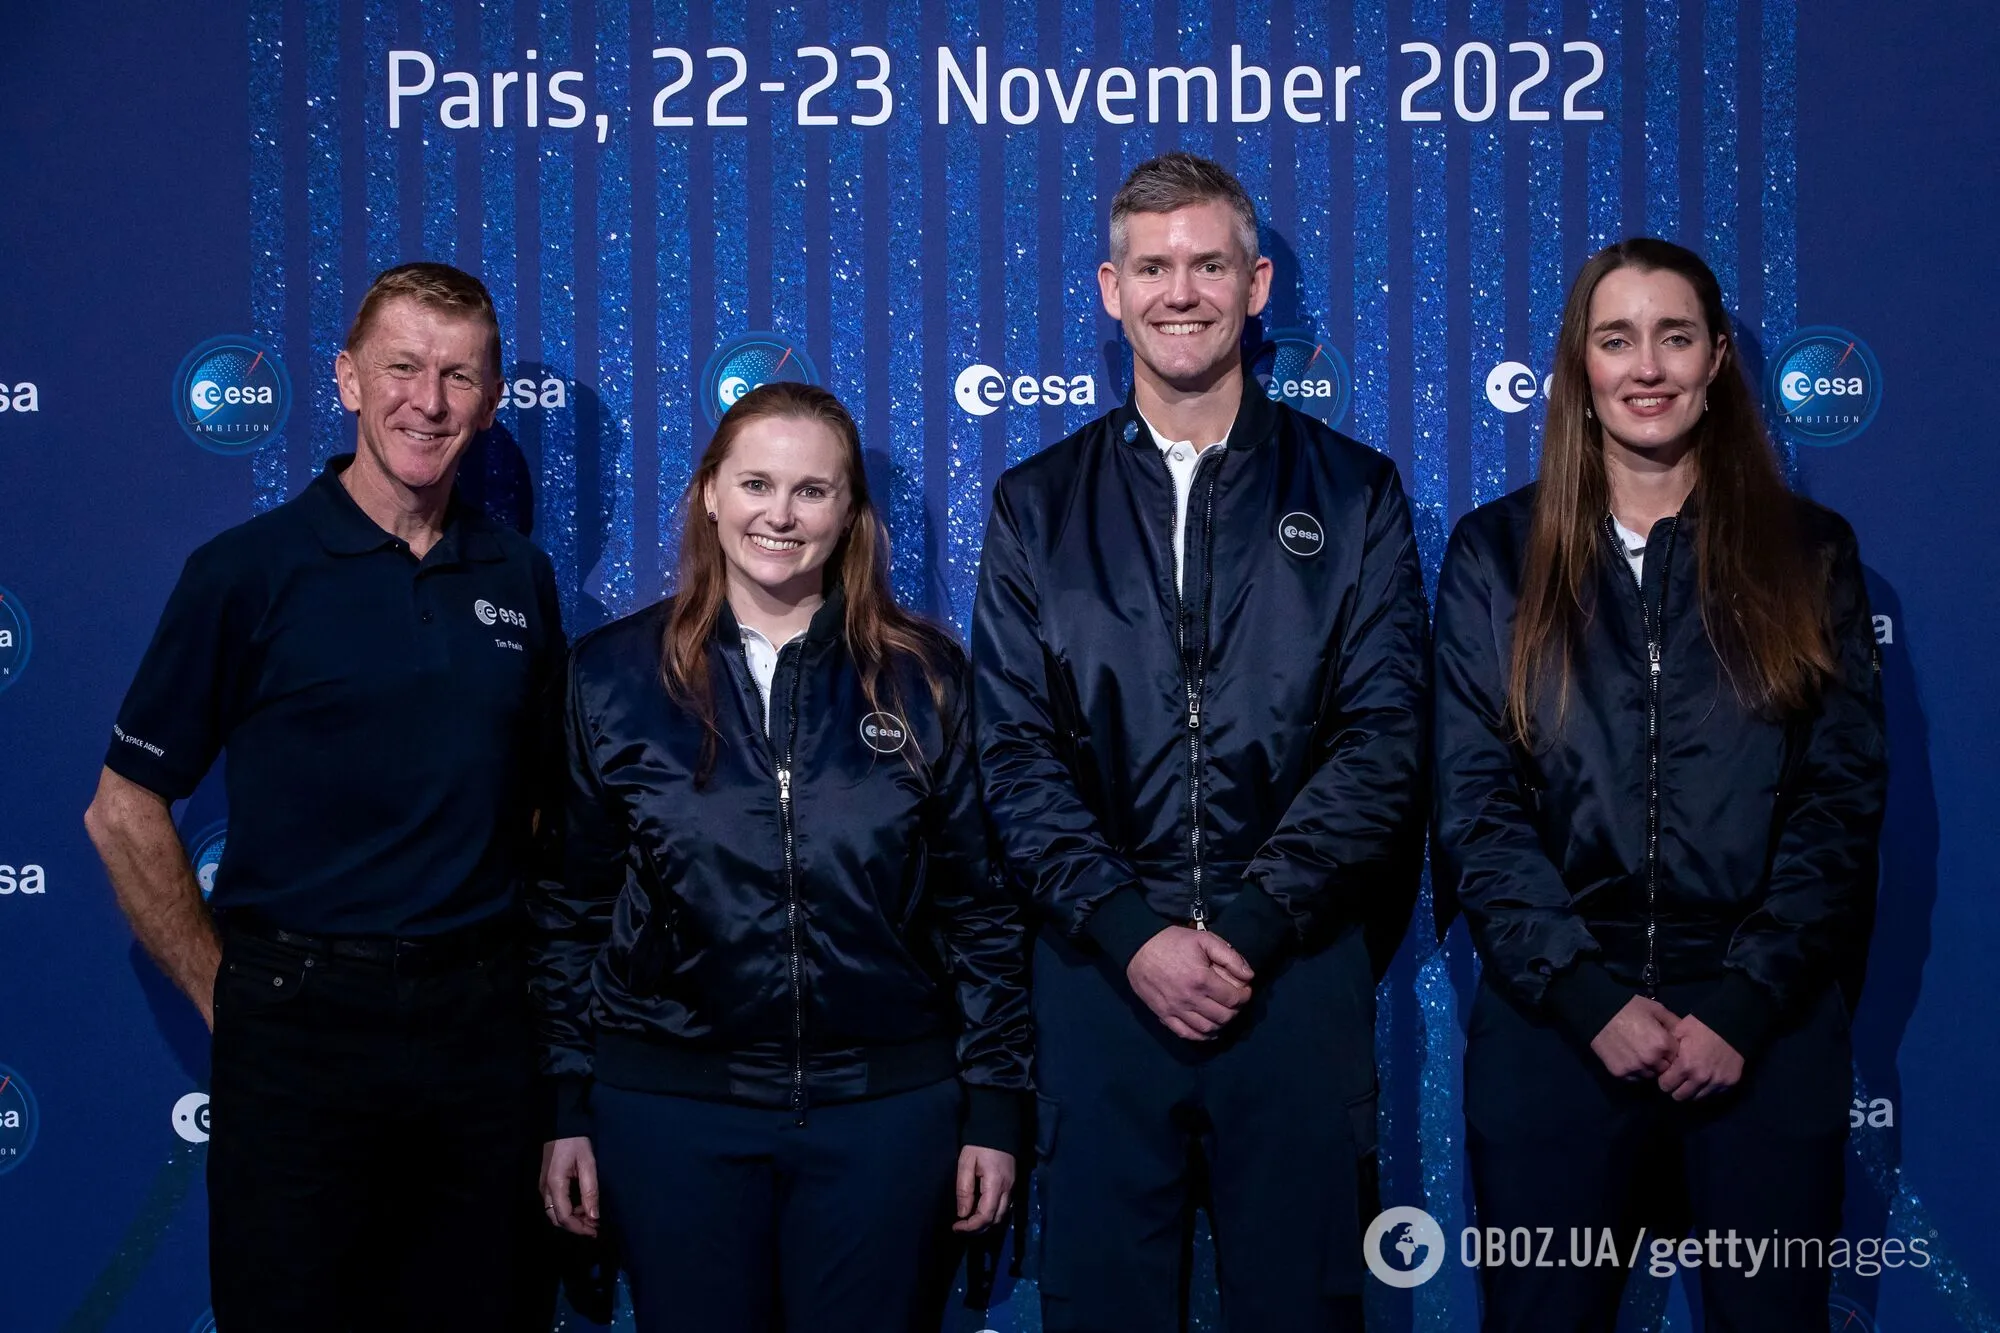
<point x="1825" y="386"/>
<point x="191" y="1117"/>
<point x="205" y="855"/>
<point x="1306" y="373"/>
<point x="23" y="397"/>
<point x="20" y="1119"/>
<point x="525" y="394"/>
<point x="16" y="639"/>
<point x="747" y="362"/>
<point x="232" y="394"/>
<point x="982" y="390"/>
<point x="26" y="879"/>
<point x="1511" y="386"/>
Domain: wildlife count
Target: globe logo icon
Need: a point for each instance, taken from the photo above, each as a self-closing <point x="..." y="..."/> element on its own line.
<point x="1404" y="1247"/>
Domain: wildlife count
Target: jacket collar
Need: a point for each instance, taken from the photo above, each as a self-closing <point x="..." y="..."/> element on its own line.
<point x="1256" y="419"/>
<point x="343" y="529"/>
<point x="828" y="625"/>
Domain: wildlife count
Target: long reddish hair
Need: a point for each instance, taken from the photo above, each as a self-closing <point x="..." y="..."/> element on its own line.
<point x="879" y="633"/>
<point x="1763" y="597"/>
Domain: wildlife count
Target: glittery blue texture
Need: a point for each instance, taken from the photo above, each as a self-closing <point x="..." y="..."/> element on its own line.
<point x="730" y="211"/>
<point x="1249" y="146"/>
<point x="1909" y="1217"/>
<point x="1719" y="144"/>
<point x="787" y="203"/>
<point x="1430" y="497"/>
<point x="1547" y="282"/>
<point x="440" y="147"/>
<point x="904" y="295"/>
<point x="1488" y="266"/>
<point x="614" y="584"/>
<point x="1663" y="117"/>
<point x="330" y="430"/>
<point x="1607" y="137"/>
<point x="1021" y="236"/>
<point x="1311" y="233"/>
<point x="846" y="273"/>
<point x="496" y="191"/>
<point x="965" y="499"/>
<point x="1193" y="50"/>
<point x="674" y="254"/>
<point x="385" y="244"/>
<point x="556" y="502"/>
<point x="1371" y="235"/>
<point x="1780" y="305"/>
<point x="1083" y="226"/>
<point x="267" y="226"/>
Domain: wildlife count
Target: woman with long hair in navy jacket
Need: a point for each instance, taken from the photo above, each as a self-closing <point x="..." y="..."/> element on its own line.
<point x="1660" y="780"/>
<point x="782" y="998"/>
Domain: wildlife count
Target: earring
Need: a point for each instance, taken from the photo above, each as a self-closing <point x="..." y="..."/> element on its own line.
<point x="711" y="516"/>
<point x="1704" y="402"/>
<point x="1588" y="415"/>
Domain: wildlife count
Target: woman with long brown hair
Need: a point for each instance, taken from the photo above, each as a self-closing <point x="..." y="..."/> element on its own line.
<point x="1660" y="781"/>
<point x="782" y="999"/>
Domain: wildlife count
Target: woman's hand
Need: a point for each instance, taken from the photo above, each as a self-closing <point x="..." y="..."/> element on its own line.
<point x="985" y="1181"/>
<point x="1639" y="1040"/>
<point x="570" y="1162"/>
<point x="1705" y="1064"/>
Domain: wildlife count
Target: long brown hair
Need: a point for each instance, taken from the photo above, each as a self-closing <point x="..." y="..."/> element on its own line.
<point x="1763" y="599"/>
<point x="879" y="633"/>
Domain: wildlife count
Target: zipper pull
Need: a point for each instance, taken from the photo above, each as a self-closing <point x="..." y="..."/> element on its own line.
<point x="1653" y="657"/>
<point x="1201" y="918"/>
<point x="785" y="786"/>
<point x="1194" y="713"/>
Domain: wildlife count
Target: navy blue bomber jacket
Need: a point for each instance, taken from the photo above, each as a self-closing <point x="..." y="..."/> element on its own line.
<point x="1245" y="750"/>
<point x="1661" y="831"/>
<point x="813" y="922"/>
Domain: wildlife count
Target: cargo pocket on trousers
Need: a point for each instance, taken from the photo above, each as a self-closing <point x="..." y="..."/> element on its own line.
<point x="256" y="975"/>
<point x="1358" y="1183"/>
<point x="1048" y="1274"/>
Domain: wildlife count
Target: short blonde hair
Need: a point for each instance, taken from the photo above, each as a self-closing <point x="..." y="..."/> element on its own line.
<point x="434" y="286"/>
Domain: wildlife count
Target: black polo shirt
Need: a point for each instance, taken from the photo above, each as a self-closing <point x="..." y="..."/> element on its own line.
<point x="390" y="724"/>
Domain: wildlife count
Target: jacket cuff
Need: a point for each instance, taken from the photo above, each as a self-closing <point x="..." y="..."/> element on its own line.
<point x="1740" y="1012"/>
<point x="1255" y="926"/>
<point x="572" y="1107"/>
<point x="1122" y="924"/>
<point x="1585" y="998"/>
<point x="994" y="1118"/>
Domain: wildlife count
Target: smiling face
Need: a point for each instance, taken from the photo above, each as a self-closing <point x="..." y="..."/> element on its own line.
<point x="421" y="384"/>
<point x="1650" y="357"/>
<point x="1183" y="289"/>
<point x="782" y="500"/>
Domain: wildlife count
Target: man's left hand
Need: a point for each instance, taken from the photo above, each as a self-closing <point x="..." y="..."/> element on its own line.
<point x="1704" y="1065"/>
<point x="985" y="1183"/>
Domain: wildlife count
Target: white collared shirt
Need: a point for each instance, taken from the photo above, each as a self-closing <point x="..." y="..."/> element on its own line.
<point x="1182" y="457"/>
<point x="1635" y="549"/>
<point x="763" y="658"/>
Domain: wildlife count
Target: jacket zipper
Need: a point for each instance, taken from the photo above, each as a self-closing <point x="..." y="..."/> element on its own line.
<point x="1653" y="618"/>
<point x="1193" y="677"/>
<point x="795" y="959"/>
<point x="793" y="908"/>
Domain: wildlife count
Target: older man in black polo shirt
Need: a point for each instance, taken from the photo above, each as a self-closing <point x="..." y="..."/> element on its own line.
<point x="377" y="660"/>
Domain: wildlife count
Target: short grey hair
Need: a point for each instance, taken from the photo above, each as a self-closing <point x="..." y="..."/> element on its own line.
<point x="1179" y="180"/>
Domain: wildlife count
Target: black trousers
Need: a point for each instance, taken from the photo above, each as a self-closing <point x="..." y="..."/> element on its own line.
<point x="739" y="1218"/>
<point x="369" y="1161"/>
<point x="1272" y="1126"/>
<point x="1556" y="1142"/>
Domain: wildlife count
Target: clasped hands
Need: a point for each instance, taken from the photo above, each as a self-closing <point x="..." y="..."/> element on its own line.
<point x="1192" y="980"/>
<point x="1646" y="1039"/>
